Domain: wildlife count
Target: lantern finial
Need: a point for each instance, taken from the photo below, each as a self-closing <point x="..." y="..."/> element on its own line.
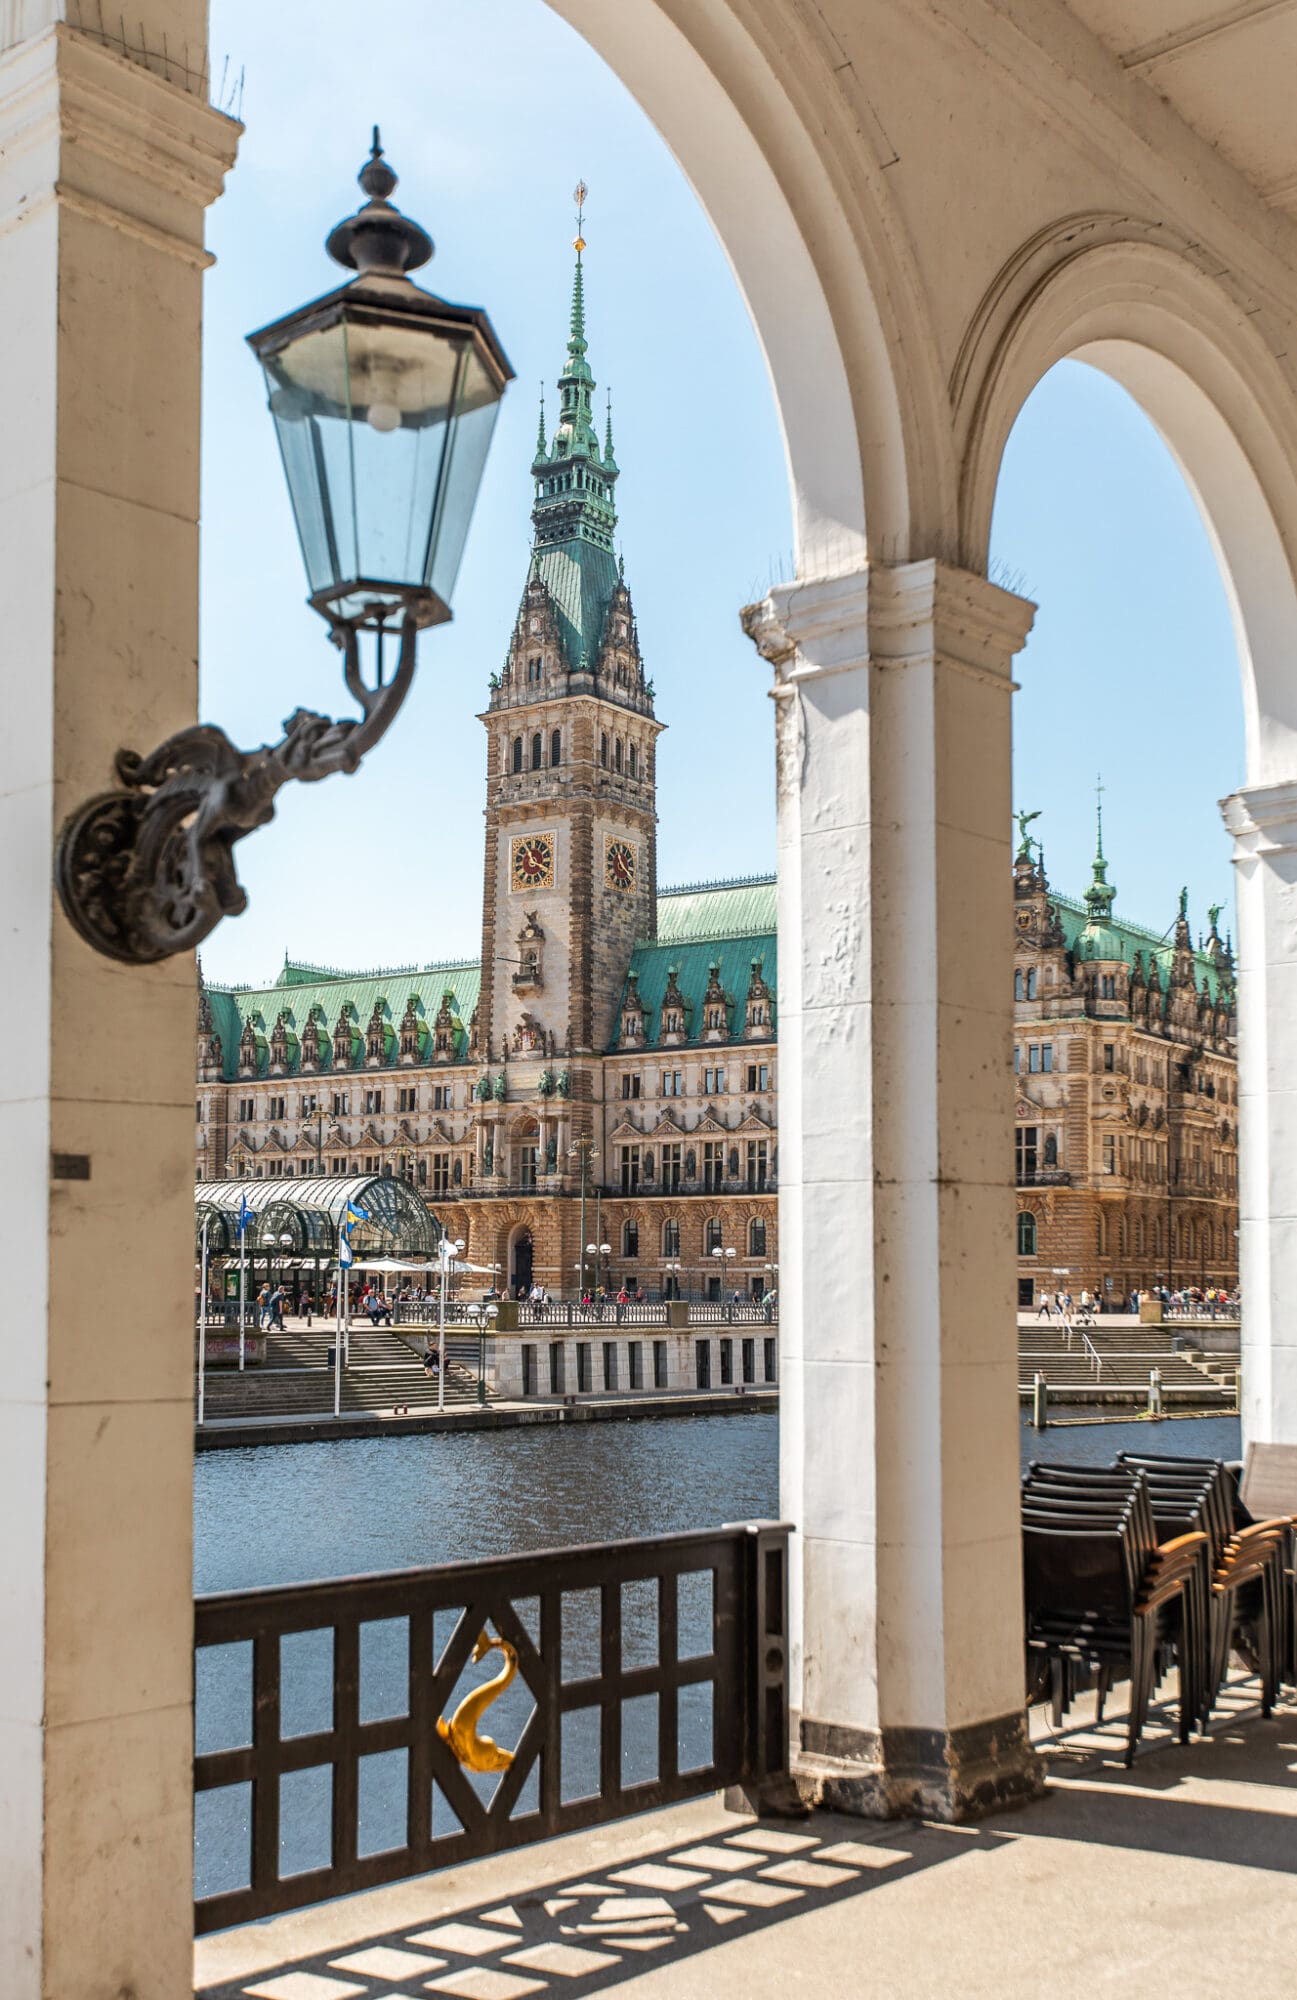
<point x="379" y="240"/>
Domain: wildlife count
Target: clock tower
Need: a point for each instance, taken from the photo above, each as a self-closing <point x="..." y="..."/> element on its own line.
<point x="571" y="821"/>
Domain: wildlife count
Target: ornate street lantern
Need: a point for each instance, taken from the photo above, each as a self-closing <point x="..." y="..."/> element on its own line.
<point x="384" y="399"/>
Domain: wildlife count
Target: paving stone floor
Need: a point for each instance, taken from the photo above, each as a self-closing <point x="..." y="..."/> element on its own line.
<point x="1173" y="1879"/>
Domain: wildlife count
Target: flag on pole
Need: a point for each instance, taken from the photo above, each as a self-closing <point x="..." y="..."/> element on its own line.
<point x="351" y="1213"/>
<point x="245" y="1215"/>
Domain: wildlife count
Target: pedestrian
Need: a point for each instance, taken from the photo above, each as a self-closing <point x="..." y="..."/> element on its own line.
<point x="275" y="1305"/>
<point x="1043" y="1309"/>
<point x="263" y="1307"/>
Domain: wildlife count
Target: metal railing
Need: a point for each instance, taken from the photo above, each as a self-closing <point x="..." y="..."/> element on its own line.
<point x="647" y="1672"/>
<point x="559" y="1313"/>
<point x="1092" y="1353"/>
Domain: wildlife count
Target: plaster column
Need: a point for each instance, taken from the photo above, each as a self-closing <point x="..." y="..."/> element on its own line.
<point x="898" y="1333"/>
<point x="106" y="167"/>
<point x="1263" y="821"/>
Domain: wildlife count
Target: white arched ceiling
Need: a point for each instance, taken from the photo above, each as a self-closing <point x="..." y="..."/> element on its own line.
<point x="813" y="257"/>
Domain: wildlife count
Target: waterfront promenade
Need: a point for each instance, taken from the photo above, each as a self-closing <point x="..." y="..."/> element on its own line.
<point x="1172" y="1879"/>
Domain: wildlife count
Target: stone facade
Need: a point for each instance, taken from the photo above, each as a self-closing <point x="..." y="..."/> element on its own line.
<point x="1126" y="1119"/>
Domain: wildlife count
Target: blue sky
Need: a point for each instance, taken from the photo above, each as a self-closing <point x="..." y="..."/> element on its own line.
<point x="1130" y="668"/>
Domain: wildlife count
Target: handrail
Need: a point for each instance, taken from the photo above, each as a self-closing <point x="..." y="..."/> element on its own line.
<point x="1093" y="1353"/>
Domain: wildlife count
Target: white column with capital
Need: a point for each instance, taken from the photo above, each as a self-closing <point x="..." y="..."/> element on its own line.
<point x="899" y="1416"/>
<point x="1263" y="821"/>
<point x="107" y="163"/>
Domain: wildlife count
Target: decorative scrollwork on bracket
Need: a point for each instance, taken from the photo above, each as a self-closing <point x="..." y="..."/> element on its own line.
<point x="147" y="870"/>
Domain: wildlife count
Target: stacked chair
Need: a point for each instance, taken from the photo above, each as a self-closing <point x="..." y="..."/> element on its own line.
<point x="1251" y="1569"/>
<point x="1105" y="1597"/>
<point x="1148" y="1562"/>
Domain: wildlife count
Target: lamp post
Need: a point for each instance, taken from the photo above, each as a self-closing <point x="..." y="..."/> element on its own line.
<point x="448" y="1253"/>
<point x="720" y="1255"/>
<point x="599" y="1251"/>
<point x="202" y="1323"/>
<point x="585" y="1150"/>
<point x="384" y="398"/>
<point x="483" y="1317"/>
<point x="673" y="1270"/>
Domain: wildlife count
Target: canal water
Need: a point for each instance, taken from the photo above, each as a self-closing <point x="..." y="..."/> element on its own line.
<point x="276" y="1514"/>
<point x="294" y="1512"/>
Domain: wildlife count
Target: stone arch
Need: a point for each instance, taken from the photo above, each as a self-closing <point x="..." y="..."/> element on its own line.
<point x="519" y="1258"/>
<point x="767" y="128"/>
<point x="1172" y="335"/>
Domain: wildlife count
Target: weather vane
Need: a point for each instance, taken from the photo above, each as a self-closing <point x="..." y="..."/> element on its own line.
<point x="579" y="193"/>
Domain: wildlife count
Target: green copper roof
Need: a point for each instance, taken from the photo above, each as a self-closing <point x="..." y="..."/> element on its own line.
<point x="704" y="924"/>
<point x="300" y="989"/>
<point x="581" y="579"/>
<point x="653" y="965"/>
<point x="1116" y="938"/>
<point x="741" y="908"/>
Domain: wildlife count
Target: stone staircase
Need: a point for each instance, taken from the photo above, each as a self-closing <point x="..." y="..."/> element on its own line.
<point x="1126" y="1355"/>
<point x="384" y="1372"/>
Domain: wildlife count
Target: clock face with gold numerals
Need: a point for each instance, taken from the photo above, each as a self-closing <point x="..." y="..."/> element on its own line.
<point x="619" y="865"/>
<point x="532" y="864"/>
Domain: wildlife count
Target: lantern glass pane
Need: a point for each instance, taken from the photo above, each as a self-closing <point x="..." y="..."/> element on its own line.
<point x="384" y="431"/>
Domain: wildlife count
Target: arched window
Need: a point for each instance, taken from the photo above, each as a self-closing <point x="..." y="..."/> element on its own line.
<point x="616" y="755"/>
<point x="630" y="1239"/>
<point x="1026" y="1234"/>
<point x="670" y="1239"/>
<point x="1019" y="990"/>
<point x="556" y="747"/>
<point x="1031" y="983"/>
<point x="517" y="753"/>
<point x="712" y="1237"/>
<point x="603" y="749"/>
<point x="756" y="1237"/>
<point x="633" y="760"/>
<point x="535" y="751"/>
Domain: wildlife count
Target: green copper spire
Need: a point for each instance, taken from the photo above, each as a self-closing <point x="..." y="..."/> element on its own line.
<point x="540" y="433"/>
<point x="574" y="519"/>
<point x="1101" y="894"/>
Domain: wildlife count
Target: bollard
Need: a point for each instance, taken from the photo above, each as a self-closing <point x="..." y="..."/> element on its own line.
<point x="1155" y="1392"/>
<point x="1039" y="1401"/>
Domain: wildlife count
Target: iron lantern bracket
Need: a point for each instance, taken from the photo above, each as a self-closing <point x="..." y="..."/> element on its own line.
<point x="147" y="870"/>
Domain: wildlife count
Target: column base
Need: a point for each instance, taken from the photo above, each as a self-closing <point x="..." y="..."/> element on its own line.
<point x="952" y="1775"/>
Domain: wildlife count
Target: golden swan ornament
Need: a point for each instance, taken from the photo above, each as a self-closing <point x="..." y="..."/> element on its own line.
<point x="480" y="1753"/>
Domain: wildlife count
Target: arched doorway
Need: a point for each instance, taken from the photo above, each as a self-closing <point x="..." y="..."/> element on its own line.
<point x="522" y="1254"/>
